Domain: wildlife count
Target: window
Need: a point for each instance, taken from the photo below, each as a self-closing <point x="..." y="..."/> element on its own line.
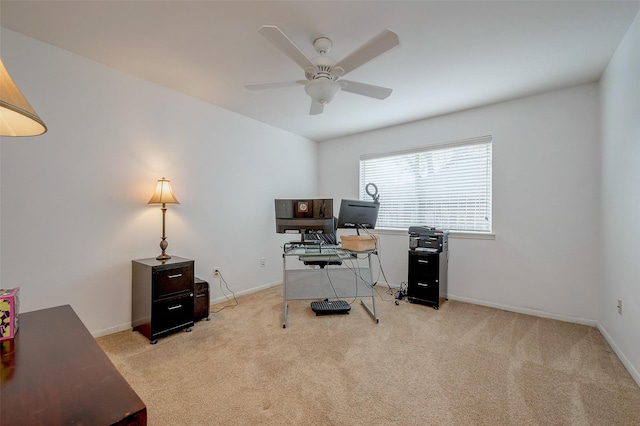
<point x="447" y="186"/>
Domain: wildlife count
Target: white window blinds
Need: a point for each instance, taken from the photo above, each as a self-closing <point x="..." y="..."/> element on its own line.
<point x="447" y="186"/>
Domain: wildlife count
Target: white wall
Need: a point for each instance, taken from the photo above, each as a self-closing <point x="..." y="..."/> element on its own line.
<point x="620" y="271"/>
<point x="74" y="210"/>
<point x="545" y="202"/>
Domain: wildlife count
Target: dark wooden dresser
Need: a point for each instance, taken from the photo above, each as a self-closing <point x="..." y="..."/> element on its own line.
<point x="162" y="299"/>
<point x="54" y="373"/>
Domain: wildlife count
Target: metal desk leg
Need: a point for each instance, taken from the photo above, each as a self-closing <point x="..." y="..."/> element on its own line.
<point x="284" y="291"/>
<point x="372" y="313"/>
<point x="373" y="295"/>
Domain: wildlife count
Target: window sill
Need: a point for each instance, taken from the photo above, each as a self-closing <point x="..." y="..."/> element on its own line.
<point x="473" y="235"/>
<point x="452" y="234"/>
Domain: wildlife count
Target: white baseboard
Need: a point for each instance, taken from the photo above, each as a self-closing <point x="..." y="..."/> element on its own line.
<point x="628" y="365"/>
<point x="111" y="330"/>
<point x="241" y="293"/>
<point x="527" y="311"/>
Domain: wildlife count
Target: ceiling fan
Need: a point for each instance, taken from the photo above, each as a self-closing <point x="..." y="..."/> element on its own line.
<point x="322" y="72"/>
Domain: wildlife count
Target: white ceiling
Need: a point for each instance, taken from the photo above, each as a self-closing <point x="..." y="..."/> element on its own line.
<point x="452" y="56"/>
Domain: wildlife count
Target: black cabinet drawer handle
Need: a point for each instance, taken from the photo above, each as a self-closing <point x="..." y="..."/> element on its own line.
<point x="422" y="261"/>
<point x="423" y="285"/>
<point x="171" y="308"/>
<point x="175" y="276"/>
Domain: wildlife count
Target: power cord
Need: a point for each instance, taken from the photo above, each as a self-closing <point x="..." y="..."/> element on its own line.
<point x="221" y="280"/>
<point x="401" y="293"/>
<point x="389" y="290"/>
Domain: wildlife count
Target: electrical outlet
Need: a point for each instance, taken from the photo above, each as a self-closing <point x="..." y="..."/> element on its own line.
<point x="216" y="271"/>
<point x="620" y="306"/>
<point x="262" y="261"/>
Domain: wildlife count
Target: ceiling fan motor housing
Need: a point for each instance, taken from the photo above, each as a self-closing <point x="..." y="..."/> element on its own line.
<point x="324" y="67"/>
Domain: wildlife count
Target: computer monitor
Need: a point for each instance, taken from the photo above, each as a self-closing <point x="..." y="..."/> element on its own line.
<point x="310" y="216"/>
<point x="358" y="214"/>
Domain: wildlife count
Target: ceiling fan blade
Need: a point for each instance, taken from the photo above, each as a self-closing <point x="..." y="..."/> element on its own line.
<point x="282" y="42"/>
<point x="262" y="86"/>
<point x="316" y="108"/>
<point x="366" y="89"/>
<point x="374" y="47"/>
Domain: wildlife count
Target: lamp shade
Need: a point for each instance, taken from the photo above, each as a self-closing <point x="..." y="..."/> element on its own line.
<point x="163" y="193"/>
<point x="17" y="117"/>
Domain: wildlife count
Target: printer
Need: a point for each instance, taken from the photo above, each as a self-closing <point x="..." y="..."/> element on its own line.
<point x="427" y="239"/>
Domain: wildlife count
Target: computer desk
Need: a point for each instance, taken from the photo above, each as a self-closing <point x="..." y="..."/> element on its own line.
<point x="333" y="281"/>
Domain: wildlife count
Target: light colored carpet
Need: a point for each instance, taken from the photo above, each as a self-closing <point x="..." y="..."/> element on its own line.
<point x="461" y="365"/>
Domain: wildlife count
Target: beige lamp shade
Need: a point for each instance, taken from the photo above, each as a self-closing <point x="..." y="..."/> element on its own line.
<point x="163" y="193"/>
<point x="17" y="117"/>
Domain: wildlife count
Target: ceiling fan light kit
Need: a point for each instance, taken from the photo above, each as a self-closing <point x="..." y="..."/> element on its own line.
<point x="322" y="91"/>
<point x="322" y="72"/>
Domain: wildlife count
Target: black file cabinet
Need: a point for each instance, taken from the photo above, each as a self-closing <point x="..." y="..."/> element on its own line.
<point x="201" y="302"/>
<point x="162" y="296"/>
<point x="427" y="277"/>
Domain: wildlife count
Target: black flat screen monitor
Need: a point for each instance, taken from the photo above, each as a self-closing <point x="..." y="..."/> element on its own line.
<point x="310" y="216"/>
<point x="358" y="214"/>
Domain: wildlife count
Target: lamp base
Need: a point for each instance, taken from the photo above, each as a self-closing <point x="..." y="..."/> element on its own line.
<point x="163" y="243"/>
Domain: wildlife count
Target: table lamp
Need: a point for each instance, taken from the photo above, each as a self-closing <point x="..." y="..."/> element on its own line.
<point x="163" y="195"/>
<point x="17" y="117"/>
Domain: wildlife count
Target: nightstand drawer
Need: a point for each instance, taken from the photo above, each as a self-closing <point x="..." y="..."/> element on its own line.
<point x="172" y="313"/>
<point x="172" y="280"/>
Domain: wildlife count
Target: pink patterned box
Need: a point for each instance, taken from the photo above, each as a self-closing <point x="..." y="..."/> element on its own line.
<point x="9" y="309"/>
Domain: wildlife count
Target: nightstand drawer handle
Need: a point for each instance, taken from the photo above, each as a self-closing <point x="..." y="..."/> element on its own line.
<point x="422" y="261"/>
<point x="423" y="285"/>
<point x="171" y="308"/>
<point x="200" y="295"/>
<point x="175" y="276"/>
